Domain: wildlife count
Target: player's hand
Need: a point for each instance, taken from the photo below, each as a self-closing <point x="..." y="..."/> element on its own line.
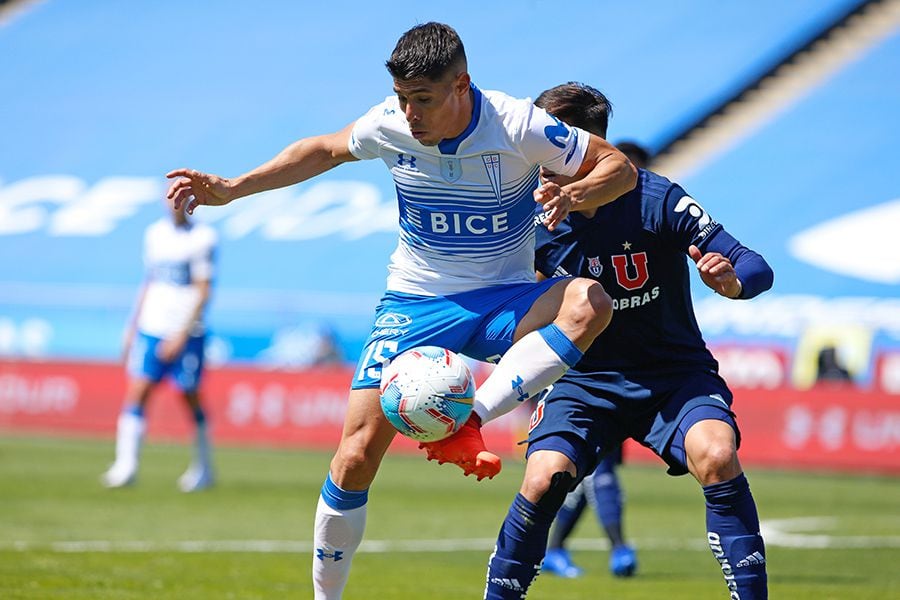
<point x="193" y="188"/>
<point x="169" y="349"/>
<point x="717" y="272"/>
<point x="556" y="202"/>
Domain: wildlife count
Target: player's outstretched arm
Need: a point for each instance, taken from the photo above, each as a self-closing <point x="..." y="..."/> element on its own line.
<point x="298" y="162"/>
<point x="605" y="175"/>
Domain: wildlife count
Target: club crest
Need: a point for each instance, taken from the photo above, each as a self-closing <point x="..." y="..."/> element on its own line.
<point x="451" y="169"/>
<point x="595" y="267"/>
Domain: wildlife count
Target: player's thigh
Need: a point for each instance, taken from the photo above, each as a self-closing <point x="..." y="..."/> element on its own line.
<point x="544" y="310"/>
<point x="187" y="369"/>
<point x="572" y="418"/>
<point x="366" y="436"/>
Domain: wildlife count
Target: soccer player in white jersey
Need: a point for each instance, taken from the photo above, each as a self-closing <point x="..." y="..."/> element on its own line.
<point x="165" y="338"/>
<point x="465" y="162"/>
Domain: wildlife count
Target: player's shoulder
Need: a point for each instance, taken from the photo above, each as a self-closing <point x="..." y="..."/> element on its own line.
<point x="512" y="112"/>
<point x="204" y="232"/>
<point x="654" y="187"/>
<point x="387" y="115"/>
<point x="158" y="227"/>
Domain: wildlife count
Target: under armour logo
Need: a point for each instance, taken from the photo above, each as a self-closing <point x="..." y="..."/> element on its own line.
<point x="322" y="555"/>
<point x="406" y="161"/>
<point x="517" y="388"/>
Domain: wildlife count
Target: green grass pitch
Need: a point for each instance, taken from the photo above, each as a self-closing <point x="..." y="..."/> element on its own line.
<point x="429" y="534"/>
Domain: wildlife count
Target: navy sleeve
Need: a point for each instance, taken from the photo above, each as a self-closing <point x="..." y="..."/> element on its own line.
<point x="688" y="224"/>
<point x="752" y="270"/>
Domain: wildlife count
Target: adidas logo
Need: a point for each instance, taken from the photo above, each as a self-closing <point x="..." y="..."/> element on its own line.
<point x="754" y="559"/>
<point x="510" y="584"/>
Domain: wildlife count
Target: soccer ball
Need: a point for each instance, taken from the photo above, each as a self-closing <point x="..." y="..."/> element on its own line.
<point x="426" y="393"/>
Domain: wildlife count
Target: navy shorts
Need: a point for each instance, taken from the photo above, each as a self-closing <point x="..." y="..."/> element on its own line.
<point x="585" y="420"/>
<point x="479" y="324"/>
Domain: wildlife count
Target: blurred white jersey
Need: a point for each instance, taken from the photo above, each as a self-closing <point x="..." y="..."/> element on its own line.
<point x="466" y="204"/>
<point x="175" y="258"/>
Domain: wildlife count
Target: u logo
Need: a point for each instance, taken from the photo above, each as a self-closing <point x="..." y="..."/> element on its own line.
<point x="639" y="267"/>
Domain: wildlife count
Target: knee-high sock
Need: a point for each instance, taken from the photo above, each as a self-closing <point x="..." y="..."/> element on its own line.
<point x="732" y="525"/>
<point x="605" y="495"/>
<point x="340" y="522"/>
<point x="202" y="447"/>
<point x="567" y="517"/>
<point x="520" y="549"/>
<point x="530" y="365"/>
<point x="130" y="429"/>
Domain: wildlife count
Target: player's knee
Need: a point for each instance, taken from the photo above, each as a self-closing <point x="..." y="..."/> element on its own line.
<point x="353" y="462"/>
<point x="716" y="461"/>
<point x="550" y="490"/>
<point x="588" y="305"/>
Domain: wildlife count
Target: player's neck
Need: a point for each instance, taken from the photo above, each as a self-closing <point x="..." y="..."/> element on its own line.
<point x="465" y="116"/>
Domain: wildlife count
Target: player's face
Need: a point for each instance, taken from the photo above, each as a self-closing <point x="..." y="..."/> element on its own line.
<point x="435" y="110"/>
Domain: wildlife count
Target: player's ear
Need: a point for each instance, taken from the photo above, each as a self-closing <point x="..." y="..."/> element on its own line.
<point x="461" y="83"/>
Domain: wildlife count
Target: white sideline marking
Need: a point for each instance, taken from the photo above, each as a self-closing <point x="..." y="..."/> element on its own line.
<point x="786" y="533"/>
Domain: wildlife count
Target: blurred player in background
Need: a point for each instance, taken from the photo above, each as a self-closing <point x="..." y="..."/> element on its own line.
<point x="165" y="337"/>
<point x="648" y="376"/>
<point x="601" y="489"/>
<point x="465" y="165"/>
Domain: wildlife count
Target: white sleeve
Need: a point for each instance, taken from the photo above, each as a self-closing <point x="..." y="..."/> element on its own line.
<point x="552" y="144"/>
<point x="365" y="137"/>
<point x="203" y="261"/>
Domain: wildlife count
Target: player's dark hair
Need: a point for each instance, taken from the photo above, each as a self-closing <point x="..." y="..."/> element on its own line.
<point x="579" y="105"/>
<point x="427" y="51"/>
<point x="637" y="154"/>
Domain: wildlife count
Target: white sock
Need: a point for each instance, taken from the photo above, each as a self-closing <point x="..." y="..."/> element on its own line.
<point x="338" y="533"/>
<point x="129" y="435"/>
<point x="530" y="365"/>
<point x="202" y="448"/>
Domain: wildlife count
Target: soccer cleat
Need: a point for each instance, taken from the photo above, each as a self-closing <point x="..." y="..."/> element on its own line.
<point x="622" y="561"/>
<point x="196" y="478"/>
<point x="119" y="475"/>
<point x="558" y="562"/>
<point x="466" y="449"/>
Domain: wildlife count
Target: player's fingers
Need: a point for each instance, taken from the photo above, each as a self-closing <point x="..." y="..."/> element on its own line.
<point x="694" y="253"/>
<point x="177" y="173"/>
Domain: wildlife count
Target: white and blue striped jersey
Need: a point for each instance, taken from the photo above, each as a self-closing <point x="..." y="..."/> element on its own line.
<point x="175" y="259"/>
<point x="466" y="205"/>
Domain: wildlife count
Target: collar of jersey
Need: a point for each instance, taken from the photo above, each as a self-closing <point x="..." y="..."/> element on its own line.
<point x="450" y="146"/>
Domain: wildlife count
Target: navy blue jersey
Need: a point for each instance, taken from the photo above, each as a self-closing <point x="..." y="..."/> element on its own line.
<point x="636" y="247"/>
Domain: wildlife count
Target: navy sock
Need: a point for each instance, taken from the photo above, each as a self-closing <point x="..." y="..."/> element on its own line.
<point x="607" y="494"/>
<point x="566" y="518"/>
<point x="520" y="549"/>
<point x="199" y="416"/>
<point x="732" y="525"/>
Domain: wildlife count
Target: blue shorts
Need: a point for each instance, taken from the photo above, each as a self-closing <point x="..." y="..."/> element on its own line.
<point x="585" y="422"/>
<point x="185" y="370"/>
<point x="479" y="324"/>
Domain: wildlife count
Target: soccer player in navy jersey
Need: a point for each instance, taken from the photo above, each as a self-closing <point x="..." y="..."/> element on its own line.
<point x="465" y="163"/>
<point x="648" y="376"/>
<point x="601" y="489"/>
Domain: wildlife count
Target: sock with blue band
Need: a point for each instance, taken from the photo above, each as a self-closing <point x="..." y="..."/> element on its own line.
<point x="340" y="523"/>
<point x="732" y="525"/>
<point x="530" y="365"/>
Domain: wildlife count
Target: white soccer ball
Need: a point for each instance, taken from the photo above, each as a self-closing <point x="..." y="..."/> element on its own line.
<point x="426" y="393"/>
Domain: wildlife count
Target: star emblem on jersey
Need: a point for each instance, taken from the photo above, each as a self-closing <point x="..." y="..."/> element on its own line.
<point x="626" y="245"/>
